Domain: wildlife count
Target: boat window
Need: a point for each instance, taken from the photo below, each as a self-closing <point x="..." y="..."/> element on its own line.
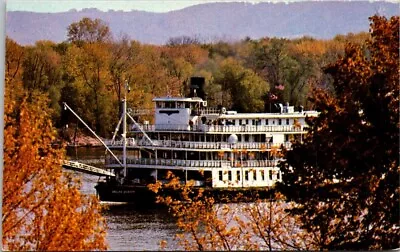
<point x="220" y="175"/>
<point x="246" y="175"/>
<point x="238" y="175"/>
<point x="187" y="105"/>
<point x="280" y="121"/>
<point x="270" y="175"/>
<point x="240" y="121"/>
<point x="229" y="175"/>
<point x="266" y="121"/>
<point x="254" y="175"/>
<point x="262" y="175"/>
<point x="278" y="176"/>
<point x="287" y="121"/>
<point x="169" y="104"/>
<point x="160" y="104"/>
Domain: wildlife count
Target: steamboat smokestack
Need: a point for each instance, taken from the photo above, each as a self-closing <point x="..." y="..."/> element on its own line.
<point x="197" y="85"/>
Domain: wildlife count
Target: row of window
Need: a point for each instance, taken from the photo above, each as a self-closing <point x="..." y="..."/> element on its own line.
<point x="176" y="104"/>
<point x="258" y="122"/>
<point x="254" y="175"/>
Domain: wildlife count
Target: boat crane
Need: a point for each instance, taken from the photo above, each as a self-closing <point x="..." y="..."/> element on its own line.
<point x="94" y="170"/>
<point x="94" y="133"/>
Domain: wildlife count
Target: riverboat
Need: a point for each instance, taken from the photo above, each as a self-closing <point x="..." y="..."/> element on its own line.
<point x="218" y="150"/>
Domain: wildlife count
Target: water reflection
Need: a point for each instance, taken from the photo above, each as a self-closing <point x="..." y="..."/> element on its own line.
<point x="134" y="228"/>
<point x="88" y="155"/>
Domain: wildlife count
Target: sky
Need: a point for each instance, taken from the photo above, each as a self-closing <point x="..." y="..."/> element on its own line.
<point x="125" y="5"/>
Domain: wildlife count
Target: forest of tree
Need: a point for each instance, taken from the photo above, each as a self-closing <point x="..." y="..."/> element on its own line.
<point x="88" y="71"/>
<point x="340" y="184"/>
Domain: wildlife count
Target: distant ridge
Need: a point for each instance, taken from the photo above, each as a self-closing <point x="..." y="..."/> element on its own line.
<point x="210" y="22"/>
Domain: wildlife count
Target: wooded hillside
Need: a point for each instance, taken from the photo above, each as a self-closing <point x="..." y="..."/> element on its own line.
<point x="89" y="70"/>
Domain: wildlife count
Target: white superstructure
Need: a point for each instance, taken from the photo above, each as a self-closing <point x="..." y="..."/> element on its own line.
<point x="214" y="147"/>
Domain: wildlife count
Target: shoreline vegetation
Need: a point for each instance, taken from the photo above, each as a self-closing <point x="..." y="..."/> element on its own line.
<point x="343" y="178"/>
<point x="73" y="137"/>
<point x="84" y="141"/>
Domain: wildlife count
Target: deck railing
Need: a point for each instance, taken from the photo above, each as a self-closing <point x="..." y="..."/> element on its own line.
<point x="196" y="163"/>
<point x="200" y="145"/>
<point x="208" y="111"/>
<point x="117" y="143"/>
<point x="221" y="128"/>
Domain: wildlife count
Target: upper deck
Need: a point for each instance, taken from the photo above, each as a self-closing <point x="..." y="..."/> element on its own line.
<point x="192" y="114"/>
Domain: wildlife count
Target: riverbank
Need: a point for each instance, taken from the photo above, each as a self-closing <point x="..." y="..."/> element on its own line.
<point x="83" y="141"/>
<point x="78" y="138"/>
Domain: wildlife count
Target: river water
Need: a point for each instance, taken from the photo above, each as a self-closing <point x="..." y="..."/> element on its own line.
<point x="129" y="227"/>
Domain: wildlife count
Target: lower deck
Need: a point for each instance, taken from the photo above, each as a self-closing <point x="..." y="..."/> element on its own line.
<point x="216" y="177"/>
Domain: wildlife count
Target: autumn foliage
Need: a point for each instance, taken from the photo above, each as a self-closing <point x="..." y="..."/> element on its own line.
<point x="207" y="224"/>
<point x="89" y="69"/>
<point x="43" y="208"/>
<point x="340" y="185"/>
<point x="344" y="177"/>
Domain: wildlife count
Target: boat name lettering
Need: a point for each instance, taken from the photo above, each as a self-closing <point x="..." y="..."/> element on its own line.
<point x="122" y="191"/>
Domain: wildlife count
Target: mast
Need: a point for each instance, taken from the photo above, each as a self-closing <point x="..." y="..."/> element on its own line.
<point x="124" y="128"/>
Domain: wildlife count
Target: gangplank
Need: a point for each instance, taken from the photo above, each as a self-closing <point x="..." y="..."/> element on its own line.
<point x="76" y="166"/>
